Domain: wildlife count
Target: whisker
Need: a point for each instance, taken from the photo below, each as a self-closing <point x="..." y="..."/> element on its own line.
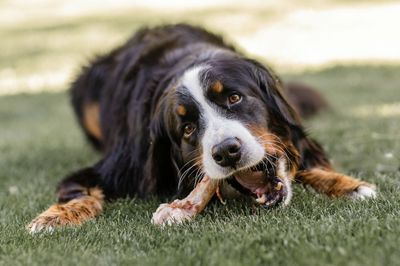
<point x="187" y="171"/>
<point x="283" y="150"/>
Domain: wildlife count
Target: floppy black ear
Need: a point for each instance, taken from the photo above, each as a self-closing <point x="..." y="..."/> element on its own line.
<point x="310" y="151"/>
<point x="161" y="166"/>
<point x="277" y="105"/>
<point x="165" y="160"/>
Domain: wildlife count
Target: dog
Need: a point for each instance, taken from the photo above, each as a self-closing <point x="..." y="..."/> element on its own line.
<point x="178" y="111"/>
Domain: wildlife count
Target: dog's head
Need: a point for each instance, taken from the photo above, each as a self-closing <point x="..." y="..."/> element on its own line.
<point x="227" y="117"/>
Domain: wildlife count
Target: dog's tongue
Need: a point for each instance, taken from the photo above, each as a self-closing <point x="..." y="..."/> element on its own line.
<point x="253" y="181"/>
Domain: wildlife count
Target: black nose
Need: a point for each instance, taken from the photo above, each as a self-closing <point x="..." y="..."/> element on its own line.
<point x="227" y="153"/>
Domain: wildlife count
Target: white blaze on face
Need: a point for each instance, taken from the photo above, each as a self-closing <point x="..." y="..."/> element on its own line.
<point x="219" y="128"/>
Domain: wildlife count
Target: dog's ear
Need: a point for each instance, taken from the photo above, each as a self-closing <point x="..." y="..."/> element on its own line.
<point x="165" y="158"/>
<point x="271" y="89"/>
<point x="161" y="165"/>
<point x="310" y="151"/>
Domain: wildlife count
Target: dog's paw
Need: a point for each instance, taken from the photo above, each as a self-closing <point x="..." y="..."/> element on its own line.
<point x="176" y="212"/>
<point x="75" y="212"/>
<point x="364" y="191"/>
<point x="45" y="223"/>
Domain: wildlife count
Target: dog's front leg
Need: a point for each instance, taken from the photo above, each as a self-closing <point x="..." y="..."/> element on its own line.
<point x="186" y="209"/>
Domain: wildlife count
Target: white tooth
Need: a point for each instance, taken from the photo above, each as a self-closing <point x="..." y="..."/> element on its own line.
<point x="279" y="186"/>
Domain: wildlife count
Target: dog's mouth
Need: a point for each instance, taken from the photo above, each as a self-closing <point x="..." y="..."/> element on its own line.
<point x="262" y="183"/>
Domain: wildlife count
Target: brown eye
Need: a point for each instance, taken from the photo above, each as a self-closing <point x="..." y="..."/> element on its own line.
<point x="188" y="130"/>
<point x="234" y="98"/>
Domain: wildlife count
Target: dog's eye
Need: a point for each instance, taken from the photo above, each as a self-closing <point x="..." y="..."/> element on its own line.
<point x="188" y="130"/>
<point x="234" y="98"/>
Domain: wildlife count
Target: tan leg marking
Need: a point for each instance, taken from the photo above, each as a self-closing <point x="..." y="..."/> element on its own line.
<point x="91" y="119"/>
<point x="186" y="209"/>
<point x="74" y="212"/>
<point x="335" y="184"/>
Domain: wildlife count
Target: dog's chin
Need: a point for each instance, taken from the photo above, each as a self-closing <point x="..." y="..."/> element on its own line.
<point x="262" y="182"/>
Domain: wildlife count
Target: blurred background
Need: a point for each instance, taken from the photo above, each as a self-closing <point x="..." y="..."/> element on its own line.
<point x="44" y="42"/>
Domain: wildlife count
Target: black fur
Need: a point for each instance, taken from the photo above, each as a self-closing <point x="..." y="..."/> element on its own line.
<point x="133" y="86"/>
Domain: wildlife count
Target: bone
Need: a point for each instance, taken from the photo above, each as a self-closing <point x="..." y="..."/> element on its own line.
<point x="219" y="195"/>
<point x="286" y="178"/>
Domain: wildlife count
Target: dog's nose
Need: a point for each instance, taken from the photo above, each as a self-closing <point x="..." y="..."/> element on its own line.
<point x="227" y="153"/>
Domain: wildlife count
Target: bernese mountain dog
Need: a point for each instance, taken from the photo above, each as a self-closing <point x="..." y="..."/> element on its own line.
<point x="178" y="111"/>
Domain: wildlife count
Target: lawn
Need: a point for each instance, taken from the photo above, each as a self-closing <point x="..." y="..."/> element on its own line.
<point x="40" y="142"/>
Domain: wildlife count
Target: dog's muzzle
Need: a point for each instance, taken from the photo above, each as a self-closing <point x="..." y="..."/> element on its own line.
<point x="228" y="152"/>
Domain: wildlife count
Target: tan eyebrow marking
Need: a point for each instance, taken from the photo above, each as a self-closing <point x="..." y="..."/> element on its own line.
<point x="217" y="86"/>
<point x="181" y="110"/>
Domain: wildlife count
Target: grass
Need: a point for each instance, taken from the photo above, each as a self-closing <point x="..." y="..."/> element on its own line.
<point x="40" y="143"/>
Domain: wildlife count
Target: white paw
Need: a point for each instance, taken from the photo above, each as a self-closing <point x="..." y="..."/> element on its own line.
<point x="364" y="192"/>
<point x="38" y="226"/>
<point x="169" y="214"/>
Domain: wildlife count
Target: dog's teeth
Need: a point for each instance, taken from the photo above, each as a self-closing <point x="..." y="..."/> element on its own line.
<point x="279" y="186"/>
